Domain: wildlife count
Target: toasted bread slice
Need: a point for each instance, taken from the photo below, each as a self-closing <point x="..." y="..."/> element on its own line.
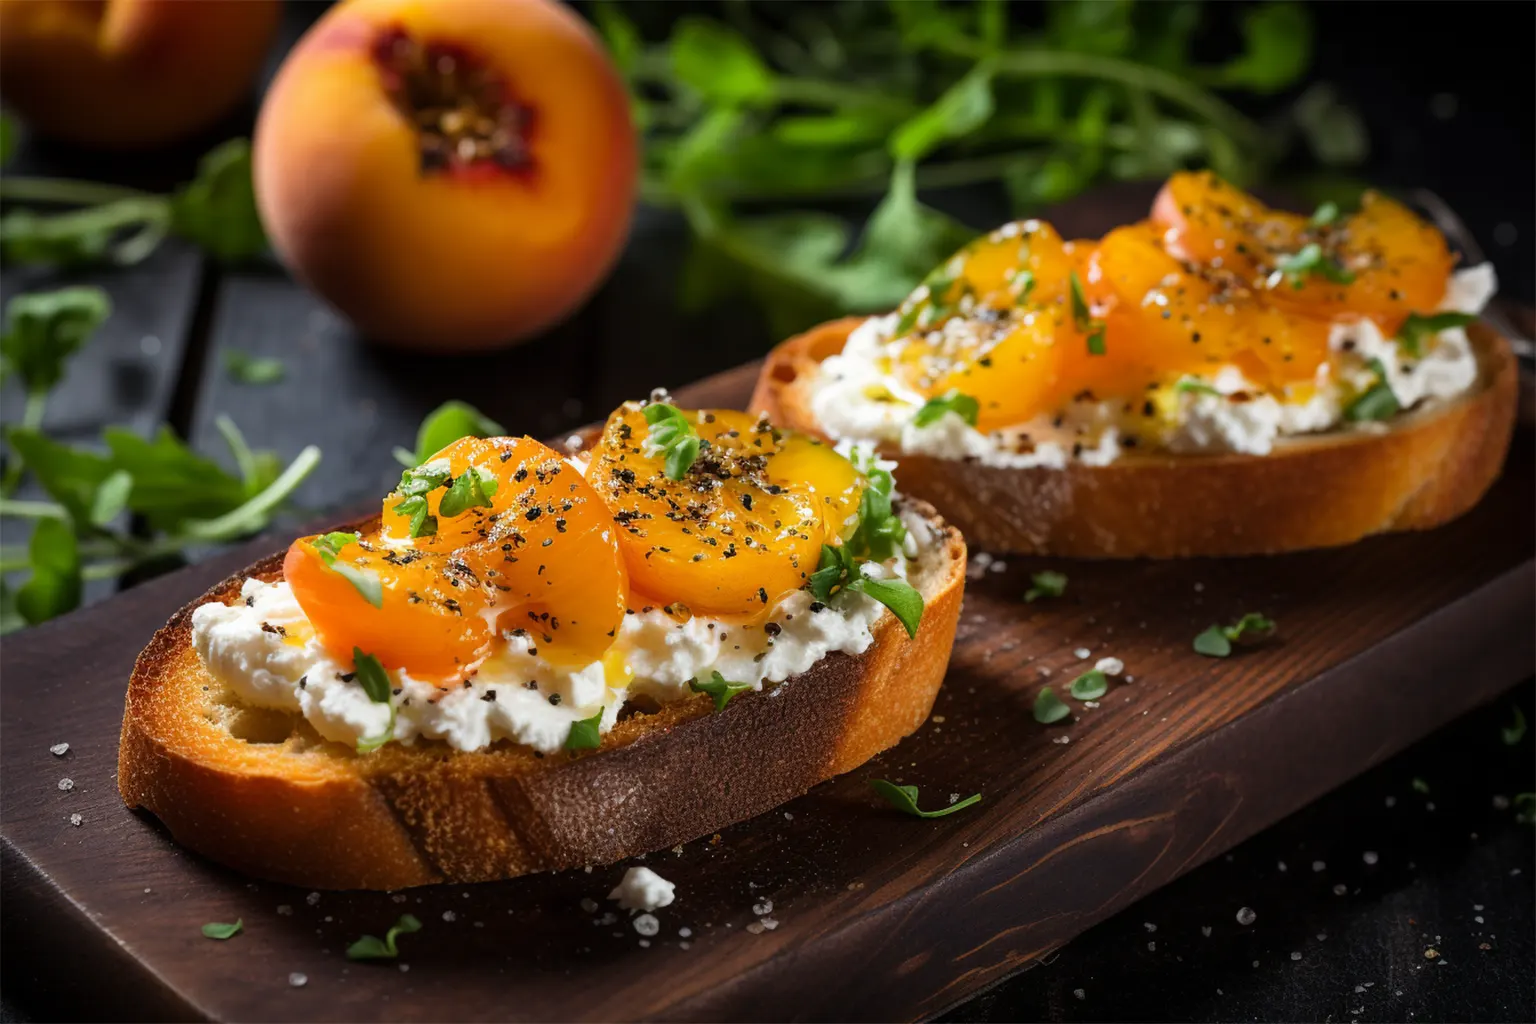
<point x="260" y="791"/>
<point x="1427" y="467"/>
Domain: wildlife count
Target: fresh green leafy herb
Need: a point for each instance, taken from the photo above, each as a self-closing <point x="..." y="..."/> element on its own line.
<point x="718" y="687"/>
<point x="1049" y="708"/>
<point x="1197" y="386"/>
<point x="111" y="497"/>
<point x="365" y="581"/>
<point x="1217" y="641"/>
<point x="472" y="488"/>
<point x="1514" y="732"/>
<point x="219" y="930"/>
<point x="1325" y="215"/>
<point x="1046" y="583"/>
<point x="1525" y="808"/>
<point x="415" y="485"/>
<point x="444" y="425"/>
<point x="933" y="410"/>
<point x="8" y="133"/>
<point x="880" y="531"/>
<point x="584" y="734"/>
<point x="1376" y="402"/>
<point x="54" y="588"/>
<point x="244" y="368"/>
<point x="371" y="948"/>
<point x="1310" y="259"/>
<point x="1420" y="327"/>
<point x="839" y="572"/>
<point x="216" y="211"/>
<point x="371" y="676"/>
<point x="1091" y="685"/>
<point x="1023" y="285"/>
<point x="1082" y="317"/>
<point x="904" y="798"/>
<point x="1420" y="786"/>
<point x="673" y="437"/>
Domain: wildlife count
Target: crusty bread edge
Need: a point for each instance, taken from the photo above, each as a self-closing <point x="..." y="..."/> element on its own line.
<point x="322" y="816"/>
<point x="1424" y="469"/>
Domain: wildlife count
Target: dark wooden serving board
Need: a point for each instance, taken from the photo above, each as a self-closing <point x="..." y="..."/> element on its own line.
<point x="879" y="916"/>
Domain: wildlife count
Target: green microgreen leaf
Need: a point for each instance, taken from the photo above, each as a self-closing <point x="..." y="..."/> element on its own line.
<point x="1376" y="402"/>
<point x="1278" y="38"/>
<point x="217" y="209"/>
<point x="1217" y="641"/>
<point x="1419" y="785"/>
<point x="1326" y="215"/>
<point x="933" y="410"/>
<point x="1310" y="260"/>
<point x="371" y="676"/>
<point x="904" y="798"/>
<point x="365" y="581"/>
<point x="1525" y="808"/>
<point x="220" y="930"/>
<point x="111" y="497"/>
<point x="1083" y="319"/>
<point x="585" y="734"/>
<point x="1197" y="386"/>
<point x="672" y="435"/>
<point x="472" y="488"/>
<point x="372" y="948"/>
<point x="1514" y="732"/>
<point x="718" y="63"/>
<point x="1091" y="685"/>
<point x="448" y="423"/>
<point x="43" y="329"/>
<point x="719" y="688"/>
<point x="8" y="133"/>
<point x="880" y="531"/>
<point x="244" y="368"/>
<point x="839" y="571"/>
<point x="1046" y="584"/>
<point x="1420" y="327"/>
<point x="963" y="108"/>
<point x="415" y="485"/>
<point x="1049" y="708"/>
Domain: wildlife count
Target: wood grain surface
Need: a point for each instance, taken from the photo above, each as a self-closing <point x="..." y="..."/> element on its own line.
<point x="878" y="916"/>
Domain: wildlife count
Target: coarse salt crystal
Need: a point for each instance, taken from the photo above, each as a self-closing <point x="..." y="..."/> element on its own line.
<point x="646" y="924"/>
<point x="284" y="910"/>
<point x="1369" y="856"/>
<point x="1246" y="916"/>
<point x="59" y="749"/>
<point x="75" y="819"/>
<point x="298" y="980"/>
<point x="765" y="907"/>
<point x="1083" y="654"/>
<point x="1318" y="865"/>
<point x="312" y="899"/>
<point x="1110" y="666"/>
<point x="450" y="916"/>
<point x="588" y="904"/>
<point x="66" y="784"/>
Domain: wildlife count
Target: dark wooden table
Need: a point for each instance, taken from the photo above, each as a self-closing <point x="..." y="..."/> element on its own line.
<point x="1349" y="893"/>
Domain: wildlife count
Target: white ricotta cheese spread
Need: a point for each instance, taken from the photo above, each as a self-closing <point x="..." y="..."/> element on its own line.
<point x="854" y="397"/>
<point x="265" y="651"/>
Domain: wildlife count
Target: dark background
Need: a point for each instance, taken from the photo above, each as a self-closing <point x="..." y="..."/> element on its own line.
<point x="1447" y="92"/>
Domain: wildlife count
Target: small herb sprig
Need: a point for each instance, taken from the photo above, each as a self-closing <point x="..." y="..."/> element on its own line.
<point x="1046" y="583"/>
<point x="1420" y="327"/>
<point x="585" y="734"/>
<point x="904" y="799"/>
<point x="672" y="437"/>
<point x="933" y="410"/>
<point x="215" y="211"/>
<point x="444" y="425"/>
<point x="877" y="537"/>
<point x="720" y="689"/>
<point x="1377" y="402"/>
<point x="373" y="677"/>
<point x="222" y="930"/>
<point x="1309" y="261"/>
<point x="1217" y="641"/>
<point x="366" y="582"/>
<point x="839" y="571"/>
<point x="370" y="947"/>
<point x="1082" y="318"/>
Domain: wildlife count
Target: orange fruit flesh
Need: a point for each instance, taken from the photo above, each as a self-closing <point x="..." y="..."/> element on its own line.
<point x="1195" y="288"/>
<point x="742" y="529"/>
<point x="542" y="557"/>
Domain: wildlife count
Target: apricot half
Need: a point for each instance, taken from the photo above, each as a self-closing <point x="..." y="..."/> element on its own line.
<point x="129" y="73"/>
<point x="451" y="175"/>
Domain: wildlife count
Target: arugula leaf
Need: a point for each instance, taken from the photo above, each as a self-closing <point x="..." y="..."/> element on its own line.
<point x="880" y="531"/>
<point x="1049" y="708"/>
<point x="1083" y="319"/>
<point x="1420" y="327"/>
<point x="585" y="734"/>
<point x="962" y="109"/>
<point x="673" y="436"/>
<point x="1278" y="48"/>
<point x="1310" y="259"/>
<point x="1046" y="584"/>
<point x="372" y="948"/>
<point x="719" y="688"/>
<point x="365" y="581"/>
<point x="1377" y="402"/>
<point x="56" y="582"/>
<point x="1091" y="685"/>
<point x="218" y="930"/>
<point x="470" y="489"/>
<point x="1514" y="732"/>
<point x="904" y="798"/>
<point x="1217" y="641"/>
<point x="70" y="475"/>
<point x="43" y="329"/>
<point x="217" y="209"/>
<point x="111" y="497"/>
<point x="446" y="424"/>
<point x="933" y="410"/>
<point x="244" y="368"/>
<point x="718" y="63"/>
<point x="171" y="483"/>
<point x="839" y="572"/>
<point x="371" y="676"/>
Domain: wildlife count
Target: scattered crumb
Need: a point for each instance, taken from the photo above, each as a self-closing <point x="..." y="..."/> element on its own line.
<point x="312" y="899"/>
<point x="755" y="928"/>
<point x="1079" y="993"/>
<point x="763" y="908"/>
<point x="1318" y="865"/>
<point x="404" y="968"/>
<point x="1062" y="740"/>
<point x="75" y="819"/>
<point x="1369" y="856"/>
<point x="1149" y="926"/>
<point x="685" y="945"/>
<point x="398" y="897"/>
<point x="1151" y="947"/>
<point x="1295" y="954"/>
<point x="643" y="889"/>
<point x="1246" y="916"/>
<point x="1340" y="889"/>
<point x="1431" y="953"/>
<point x="1391" y="801"/>
<point x="66" y="784"/>
<point x="1083" y="654"/>
<point x="685" y="933"/>
<point x="1110" y="666"/>
<point x="59" y="749"/>
<point x="646" y="924"/>
<point x="284" y="910"/>
<point x="788" y="816"/>
<point x="1205" y="930"/>
<point x="298" y="980"/>
<point x="450" y="916"/>
<point x="954" y="798"/>
<point x="1281" y="865"/>
<point x="588" y="905"/>
<point x="768" y="923"/>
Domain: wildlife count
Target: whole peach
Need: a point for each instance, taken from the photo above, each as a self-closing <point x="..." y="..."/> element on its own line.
<point x="450" y="174"/>
<point x="130" y="73"/>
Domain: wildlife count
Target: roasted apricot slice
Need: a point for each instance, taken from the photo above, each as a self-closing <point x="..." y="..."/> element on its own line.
<point x="741" y="528"/>
<point x="502" y="532"/>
